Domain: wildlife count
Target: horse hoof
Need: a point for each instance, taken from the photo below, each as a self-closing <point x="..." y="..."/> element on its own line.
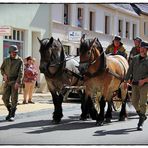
<point x="99" y="123"/>
<point x="83" y="118"/>
<point x="122" y="119"/>
<point x="56" y="121"/>
<point x="108" y="120"/>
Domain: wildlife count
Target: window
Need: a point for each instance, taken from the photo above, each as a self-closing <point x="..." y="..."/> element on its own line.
<point x="120" y="28"/>
<point x="107" y="24"/>
<point x="146" y="28"/>
<point x="17" y="38"/>
<point x="78" y="52"/>
<point x="66" y="49"/>
<point x="80" y="17"/>
<point x="66" y="14"/>
<point x="134" y="31"/>
<point x="91" y="21"/>
<point x="14" y="34"/>
<point x="127" y="29"/>
<point x="79" y="12"/>
<point x="18" y="35"/>
<point x="22" y="36"/>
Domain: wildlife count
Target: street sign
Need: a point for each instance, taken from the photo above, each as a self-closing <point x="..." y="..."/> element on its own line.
<point x="5" y="31"/>
<point x="74" y="35"/>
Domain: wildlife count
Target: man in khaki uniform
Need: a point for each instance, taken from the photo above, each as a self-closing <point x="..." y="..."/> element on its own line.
<point x="135" y="50"/>
<point x="12" y="70"/>
<point x="138" y="70"/>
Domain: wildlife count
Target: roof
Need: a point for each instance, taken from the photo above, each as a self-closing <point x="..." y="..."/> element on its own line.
<point x="125" y="7"/>
<point x="140" y="8"/>
<point x="143" y="8"/>
<point x="134" y="8"/>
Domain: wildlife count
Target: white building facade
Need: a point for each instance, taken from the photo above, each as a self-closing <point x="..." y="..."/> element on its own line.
<point x="103" y="21"/>
<point x="27" y="22"/>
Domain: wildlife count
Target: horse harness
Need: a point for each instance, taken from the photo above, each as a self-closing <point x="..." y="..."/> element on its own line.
<point x="99" y="71"/>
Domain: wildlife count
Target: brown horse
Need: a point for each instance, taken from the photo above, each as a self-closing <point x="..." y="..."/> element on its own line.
<point x="103" y="77"/>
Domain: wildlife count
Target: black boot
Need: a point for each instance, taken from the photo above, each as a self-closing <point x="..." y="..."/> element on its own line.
<point x="9" y="112"/>
<point x="12" y="114"/>
<point x="142" y="118"/>
<point x="138" y="112"/>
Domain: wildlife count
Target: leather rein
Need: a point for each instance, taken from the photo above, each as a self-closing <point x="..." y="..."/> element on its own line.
<point x="99" y="71"/>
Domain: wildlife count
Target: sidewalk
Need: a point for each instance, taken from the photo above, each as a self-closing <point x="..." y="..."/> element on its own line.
<point x="42" y="101"/>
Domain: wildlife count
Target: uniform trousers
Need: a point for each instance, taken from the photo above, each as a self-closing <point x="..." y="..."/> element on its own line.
<point x="140" y="97"/>
<point x="10" y="94"/>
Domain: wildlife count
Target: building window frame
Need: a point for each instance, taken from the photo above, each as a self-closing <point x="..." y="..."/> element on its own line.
<point x="134" y="31"/>
<point x="66" y="14"/>
<point x="127" y="29"/>
<point x="107" y="23"/>
<point x="14" y="39"/>
<point x="120" y="27"/>
<point x="145" y="28"/>
<point x="67" y="49"/>
<point x="80" y="14"/>
<point x="92" y="20"/>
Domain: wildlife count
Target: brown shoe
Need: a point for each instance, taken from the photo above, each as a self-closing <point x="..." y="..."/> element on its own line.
<point x="24" y="102"/>
<point x="31" y="102"/>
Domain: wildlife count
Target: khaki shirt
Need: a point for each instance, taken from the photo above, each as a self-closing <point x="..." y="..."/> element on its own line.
<point x="133" y="53"/>
<point x="13" y="68"/>
<point x="121" y="50"/>
<point x="138" y="69"/>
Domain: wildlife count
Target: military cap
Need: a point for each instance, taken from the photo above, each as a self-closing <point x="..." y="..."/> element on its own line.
<point x="13" y="48"/>
<point x="138" y="38"/>
<point x="117" y="38"/>
<point x="144" y="44"/>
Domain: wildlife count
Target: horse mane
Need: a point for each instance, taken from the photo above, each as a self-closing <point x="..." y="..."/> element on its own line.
<point x="45" y="42"/>
<point x="85" y="45"/>
<point x="103" y="55"/>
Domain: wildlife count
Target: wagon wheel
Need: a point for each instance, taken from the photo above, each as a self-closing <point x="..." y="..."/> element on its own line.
<point x="117" y="103"/>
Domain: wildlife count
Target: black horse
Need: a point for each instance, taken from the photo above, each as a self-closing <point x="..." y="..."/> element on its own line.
<point x="59" y="72"/>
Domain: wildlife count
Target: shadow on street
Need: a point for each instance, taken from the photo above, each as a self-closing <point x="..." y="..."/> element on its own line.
<point x="115" y="132"/>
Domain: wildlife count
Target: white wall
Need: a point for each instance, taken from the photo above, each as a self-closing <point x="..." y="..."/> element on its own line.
<point x="18" y="15"/>
<point x="99" y="21"/>
<point x="58" y="13"/>
<point x="33" y="19"/>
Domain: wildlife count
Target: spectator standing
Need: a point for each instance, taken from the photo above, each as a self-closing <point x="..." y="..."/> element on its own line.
<point x="65" y="19"/>
<point x="12" y="70"/>
<point x="30" y="77"/>
<point x="80" y="19"/>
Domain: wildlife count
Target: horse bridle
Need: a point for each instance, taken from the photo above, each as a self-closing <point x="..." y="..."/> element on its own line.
<point x="89" y="63"/>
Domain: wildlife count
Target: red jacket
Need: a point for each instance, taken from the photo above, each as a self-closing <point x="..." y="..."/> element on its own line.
<point x="30" y="73"/>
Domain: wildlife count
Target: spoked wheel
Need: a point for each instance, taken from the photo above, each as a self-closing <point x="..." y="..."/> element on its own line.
<point x="117" y="103"/>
